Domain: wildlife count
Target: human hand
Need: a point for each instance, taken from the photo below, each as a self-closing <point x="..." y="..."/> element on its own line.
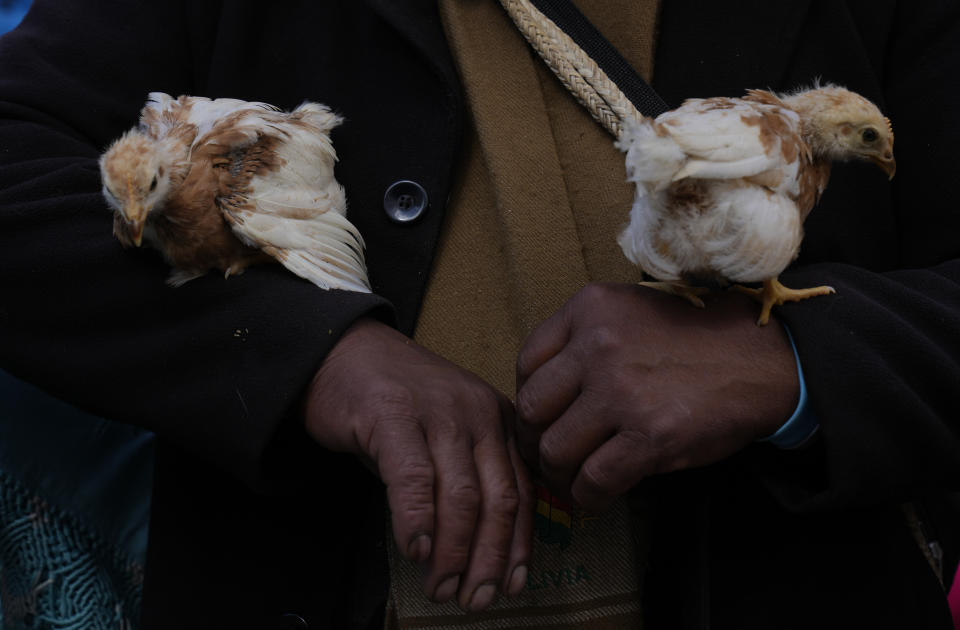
<point x="624" y="382"/>
<point x="460" y="496"/>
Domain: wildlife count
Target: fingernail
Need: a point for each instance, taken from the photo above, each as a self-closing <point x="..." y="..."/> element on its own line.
<point x="518" y="580"/>
<point x="447" y="589"/>
<point x="419" y="548"/>
<point x="482" y="597"/>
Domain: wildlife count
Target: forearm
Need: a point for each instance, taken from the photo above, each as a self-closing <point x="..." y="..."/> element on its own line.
<point x="881" y="364"/>
<point x="214" y="366"/>
<point x="882" y="357"/>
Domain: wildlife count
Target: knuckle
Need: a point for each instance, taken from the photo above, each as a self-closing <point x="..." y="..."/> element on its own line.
<point x="470" y="414"/>
<point x="602" y="339"/>
<point x="639" y="441"/>
<point x="486" y="407"/>
<point x="497" y="558"/>
<point x="414" y="472"/>
<point x="552" y="454"/>
<point x="506" y="501"/>
<point x="596" y="477"/>
<point x="412" y="507"/>
<point x="417" y="510"/>
<point x="465" y="498"/>
<point x="625" y="386"/>
<point x="526" y="406"/>
<point x="446" y="397"/>
<point x="650" y="447"/>
<point x="397" y="433"/>
<point x="411" y="482"/>
<point x="493" y="557"/>
<point x="446" y="426"/>
<point x="390" y="398"/>
<point x="524" y="365"/>
<point x="455" y="556"/>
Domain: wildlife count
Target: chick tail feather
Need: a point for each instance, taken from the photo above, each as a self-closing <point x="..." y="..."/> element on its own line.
<point x="650" y="156"/>
<point x="325" y="249"/>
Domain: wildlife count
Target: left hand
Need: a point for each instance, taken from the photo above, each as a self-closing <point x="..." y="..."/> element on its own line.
<point x="624" y="382"/>
<point x="437" y="435"/>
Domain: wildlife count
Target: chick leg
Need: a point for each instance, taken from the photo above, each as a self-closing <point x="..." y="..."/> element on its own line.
<point x="774" y="293"/>
<point x="239" y="265"/>
<point x="691" y="294"/>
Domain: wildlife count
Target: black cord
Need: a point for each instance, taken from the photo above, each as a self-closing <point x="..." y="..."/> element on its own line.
<point x="566" y="16"/>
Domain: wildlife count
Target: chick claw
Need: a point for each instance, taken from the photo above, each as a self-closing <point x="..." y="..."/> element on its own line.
<point x="773" y="293"/>
<point x="691" y="294"/>
<point x="179" y="277"/>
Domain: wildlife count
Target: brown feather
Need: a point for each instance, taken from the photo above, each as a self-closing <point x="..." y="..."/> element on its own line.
<point x="230" y="199"/>
<point x="813" y="181"/>
<point x="191" y="231"/>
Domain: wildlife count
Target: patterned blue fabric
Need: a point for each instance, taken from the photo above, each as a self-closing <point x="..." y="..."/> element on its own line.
<point x="55" y="573"/>
<point x="74" y="504"/>
<point x="74" y="511"/>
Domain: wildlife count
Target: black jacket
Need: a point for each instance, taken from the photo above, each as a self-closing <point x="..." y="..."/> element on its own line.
<point x="250" y="520"/>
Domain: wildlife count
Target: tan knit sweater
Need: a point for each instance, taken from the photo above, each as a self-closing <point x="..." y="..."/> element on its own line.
<point x="542" y="195"/>
<point x="535" y="216"/>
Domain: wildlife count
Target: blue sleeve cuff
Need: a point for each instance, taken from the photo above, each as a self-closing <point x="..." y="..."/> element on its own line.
<point x="803" y="424"/>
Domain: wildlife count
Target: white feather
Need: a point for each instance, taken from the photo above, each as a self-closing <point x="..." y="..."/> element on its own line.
<point x="203" y="112"/>
<point x="297" y="213"/>
<point x="750" y="231"/>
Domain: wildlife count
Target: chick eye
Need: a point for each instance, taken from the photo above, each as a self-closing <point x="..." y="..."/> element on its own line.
<point x="153" y="184"/>
<point x="870" y="135"/>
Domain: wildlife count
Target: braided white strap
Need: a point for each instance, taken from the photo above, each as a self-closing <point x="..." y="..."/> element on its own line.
<point x="575" y="69"/>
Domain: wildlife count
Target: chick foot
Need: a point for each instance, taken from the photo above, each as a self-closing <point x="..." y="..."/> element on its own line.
<point x="179" y="277"/>
<point x="691" y="294"/>
<point x="773" y="293"/>
<point x="239" y="265"/>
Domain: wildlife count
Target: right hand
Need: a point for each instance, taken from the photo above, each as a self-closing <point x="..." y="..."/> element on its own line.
<point x="460" y="497"/>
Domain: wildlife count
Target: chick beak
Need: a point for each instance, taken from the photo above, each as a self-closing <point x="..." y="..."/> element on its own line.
<point x="137" y="232"/>
<point x="887" y="163"/>
<point x="136" y="217"/>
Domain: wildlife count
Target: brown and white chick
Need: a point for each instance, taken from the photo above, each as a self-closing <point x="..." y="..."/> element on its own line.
<point x="223" y="184"/>
<point x="723" y="185"/>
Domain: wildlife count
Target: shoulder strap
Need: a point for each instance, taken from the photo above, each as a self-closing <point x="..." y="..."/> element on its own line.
<point x="585" y="62"/>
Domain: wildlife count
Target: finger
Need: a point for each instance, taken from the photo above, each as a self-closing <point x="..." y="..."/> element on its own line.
<point x="404" y="464"/>
<point x="571" y="439"/>
<point x="522" y="546"/>
<point x="545" y="396"/>
<point x="545" y="342"/>
<point x="614" y="468"/>
<point x="493" y="537"/>
<point x="457" y="504"/>
<point x="548" y="392"/>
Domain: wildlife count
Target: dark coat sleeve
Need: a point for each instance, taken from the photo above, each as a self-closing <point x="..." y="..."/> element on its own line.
<point x="882" y="357"/>
<point x="214" y="366"/>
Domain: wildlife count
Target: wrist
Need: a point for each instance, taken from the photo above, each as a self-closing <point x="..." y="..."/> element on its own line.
<point x="803" y="424"/>
<point x="323" y="397"/>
